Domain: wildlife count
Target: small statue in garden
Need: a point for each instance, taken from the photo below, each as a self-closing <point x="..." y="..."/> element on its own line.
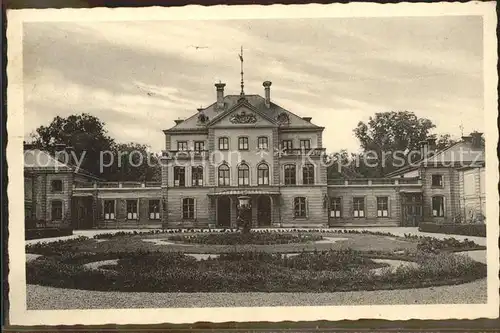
<point x="243" y="221"/>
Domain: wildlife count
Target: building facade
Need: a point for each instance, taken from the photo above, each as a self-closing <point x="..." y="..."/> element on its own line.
<point x="247" y="145"/>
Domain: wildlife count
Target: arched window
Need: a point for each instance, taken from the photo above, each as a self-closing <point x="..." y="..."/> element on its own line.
<point x="308" y="174"/>
<point x="243" y="175"/>
<point x="263" y="174"/>
<point x="197" y="175"/>
<point x="290" y="174"/>
<point x="223" y="175"/>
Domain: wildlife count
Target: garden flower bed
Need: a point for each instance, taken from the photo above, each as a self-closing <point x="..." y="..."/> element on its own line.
<point x="241" y="238"/>
<point x="328" y="271"/>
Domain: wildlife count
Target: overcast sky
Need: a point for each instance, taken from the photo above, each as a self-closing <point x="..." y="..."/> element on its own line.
<point x="139" y="76"/>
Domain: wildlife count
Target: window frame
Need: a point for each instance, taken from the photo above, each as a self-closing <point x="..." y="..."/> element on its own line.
<point x="296" y="200"/>
<point x="288" y="146"/>
<point x="177" y="174"/>
<point x="181" y="145"/>
<point x="228" y="178"/>
<point x="224" y="140"/>
<point x="287" y="167"/>
<point x="53" y="188"/>
<point x="243" y="167"/>
<point x="263" y="168"/>
<point x="191" y="215"/>
<point x="443" y="204"/>
<point x="308" y="166"/>
<point x="356" y="212"/>
<point x="339" y="207"/>
<point x="441" y="183"/>
<point x="197" y="170"/>
<point x="152" y="215"/>
<point x="265" y="140"/>
<point x="130" y="214"/>
<point x="243" y="143"/>
<point x="197" y="145"/>
<point x="113" y="213"/>
<point x="52" y="209"/>
<point x="380" y="206"/>
<point x="308" y="144"/>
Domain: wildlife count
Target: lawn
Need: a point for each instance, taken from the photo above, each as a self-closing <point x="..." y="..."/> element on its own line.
<point x="320" y="263"/>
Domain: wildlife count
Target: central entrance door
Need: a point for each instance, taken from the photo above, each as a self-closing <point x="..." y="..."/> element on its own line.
<point x="82" y="213"/>
<point x="411" y="204"/>
<point x="264" y="211"/>
<point x="224" y="211"/>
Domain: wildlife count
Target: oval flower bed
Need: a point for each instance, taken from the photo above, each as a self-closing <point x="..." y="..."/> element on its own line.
<point x="335" y="270"/>
<point x="242" y="239"/>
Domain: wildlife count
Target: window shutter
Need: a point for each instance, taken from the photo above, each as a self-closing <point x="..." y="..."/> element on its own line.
<point x="307" y="207"/>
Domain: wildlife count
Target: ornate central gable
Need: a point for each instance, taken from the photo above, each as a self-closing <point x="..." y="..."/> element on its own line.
<point x="242" y="115"/>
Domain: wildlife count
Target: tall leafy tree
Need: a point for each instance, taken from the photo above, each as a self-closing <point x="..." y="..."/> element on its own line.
<point x="390" y="133"/>
<point x="134" y="162"/>
<point x="84" y="132"/>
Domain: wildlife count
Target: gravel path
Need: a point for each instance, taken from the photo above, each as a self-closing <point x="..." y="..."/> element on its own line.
<point x="48" y="298"/>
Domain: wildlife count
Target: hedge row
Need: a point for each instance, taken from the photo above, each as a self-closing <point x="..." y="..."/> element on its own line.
<point x="46" y="233"/>
<point x="478" y="230"/>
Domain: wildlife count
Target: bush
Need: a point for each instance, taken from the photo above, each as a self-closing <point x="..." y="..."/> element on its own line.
<point x="245" y="238"/>
<point x="38" y="233"/>
<point x="58" y="247"/>
<point x="434" y="245"/>
<point x="478" y="230"/>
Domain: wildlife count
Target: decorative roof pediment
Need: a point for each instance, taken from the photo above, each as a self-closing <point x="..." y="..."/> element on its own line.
<point x="240" y="115"/>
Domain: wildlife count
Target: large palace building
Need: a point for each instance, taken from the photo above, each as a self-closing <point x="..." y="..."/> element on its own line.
<point x="249" y="145"/>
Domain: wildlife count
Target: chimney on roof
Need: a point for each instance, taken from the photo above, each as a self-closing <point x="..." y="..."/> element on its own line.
<point x="267" y="92"/>
<point x="178" y="121"/>
<point x="308" y="119"/>
<point x="467" y="139"/>
<point x="424" y="148"/>
<point x="200" y="109"/>
<point x="476" y="139"/>
<point x="431" y="145"/>
<point x="220" y="95"/>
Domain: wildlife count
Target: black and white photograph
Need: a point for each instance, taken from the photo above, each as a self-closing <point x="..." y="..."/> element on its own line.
<point x="253" y="163"/>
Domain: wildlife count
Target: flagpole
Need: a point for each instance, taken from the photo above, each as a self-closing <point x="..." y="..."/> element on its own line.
<point x="242" y="82"/>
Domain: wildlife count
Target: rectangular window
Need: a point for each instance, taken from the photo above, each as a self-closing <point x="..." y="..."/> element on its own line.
<point x="179" y="176"/>
<point x="56" y="185"/>
<point x="262" y="142"/>
<point x="109" y="209"/>
<point x="57" y="210"/>
<point x="243" y="143"/>
<point x="154" y="209"/>
<point x="305" y="144"/>
<point x="438" y="206"/>
<point x="197" y="176"/>
<point x="199" y="146"/>
<point x="335" y="207"/>
<point x="300" y="207"/>
<point x="287" y="144"/>
<point x="132" y="210"/>
<point x="437" y="180"/>
<point x="359" y="207"/>
<point x="182" y="145"/>
<point x="382" y="207"/>
<point x="188" y="208"/>
<point x="290" y="175"/>
<point x="223" y="143"/>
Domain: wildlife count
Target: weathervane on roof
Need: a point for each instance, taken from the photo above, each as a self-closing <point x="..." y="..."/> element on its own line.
<point x="242" y="94"/>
